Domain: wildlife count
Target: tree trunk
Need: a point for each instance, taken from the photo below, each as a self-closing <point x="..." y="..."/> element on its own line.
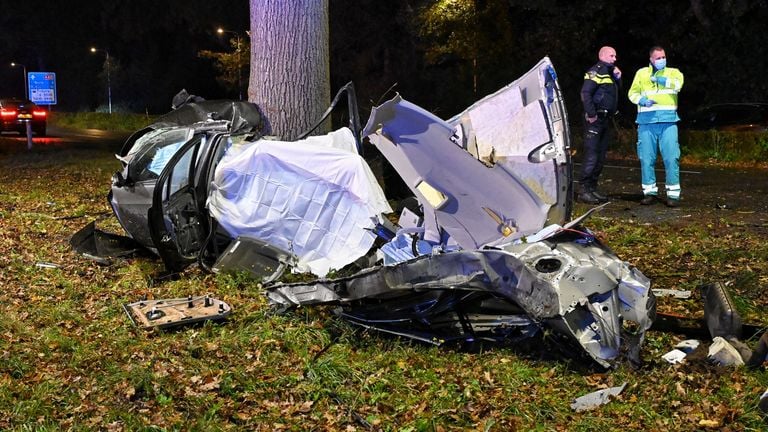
<point x="290" y="71"/>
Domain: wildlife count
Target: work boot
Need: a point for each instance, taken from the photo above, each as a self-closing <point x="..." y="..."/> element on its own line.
<point x="671" y="202"/>
<point x="588" y="198"/>
<point x="648" y="200"/>
<point x="600" y="196"/>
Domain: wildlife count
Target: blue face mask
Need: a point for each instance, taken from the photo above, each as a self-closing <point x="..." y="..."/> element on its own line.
<point x="660" y="64"/>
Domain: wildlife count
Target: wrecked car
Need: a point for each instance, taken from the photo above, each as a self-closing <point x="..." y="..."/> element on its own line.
<point x="176" y="193"/>
<point x="489" y="253"/>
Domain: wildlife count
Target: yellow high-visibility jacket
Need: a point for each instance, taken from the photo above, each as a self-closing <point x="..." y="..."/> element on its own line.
<point x="665" y="108"/>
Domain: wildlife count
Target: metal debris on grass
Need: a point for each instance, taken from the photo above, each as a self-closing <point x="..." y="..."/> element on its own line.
<point x="170" y="313"/>
<point x="597" y="398"/>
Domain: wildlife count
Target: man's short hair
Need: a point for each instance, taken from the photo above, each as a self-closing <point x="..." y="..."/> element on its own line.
<point x="655" y="48"/>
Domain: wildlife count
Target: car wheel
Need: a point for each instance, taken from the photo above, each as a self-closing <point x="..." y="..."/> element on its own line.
<point x="40" y="131"/>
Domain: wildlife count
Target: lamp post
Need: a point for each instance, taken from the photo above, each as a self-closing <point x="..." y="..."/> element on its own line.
<point x="221" y="31"/>
<point x="26" y="93"/>
<point x="109" y="83"/>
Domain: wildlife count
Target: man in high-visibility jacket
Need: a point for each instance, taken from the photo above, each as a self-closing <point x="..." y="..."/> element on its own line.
<point x="654" y="90"/>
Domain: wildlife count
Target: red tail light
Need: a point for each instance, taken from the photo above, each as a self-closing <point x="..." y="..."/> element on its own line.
<point x="38" y="113"/>
<point x="7" y="113"/>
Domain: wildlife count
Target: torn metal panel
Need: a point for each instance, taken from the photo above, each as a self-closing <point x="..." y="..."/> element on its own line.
<point x="419" y="146"/>
<point x="521" y="126"/>
<point x="720" y="311"/>
<point x="722" y="353"/>
<point x="100" y="246"/>
<point x="679" y="294"/>
<point x="597" y="398"/>
<point x="581" y="291"/>
<point x="427" y="152"/>
<point x="487" y="270"/>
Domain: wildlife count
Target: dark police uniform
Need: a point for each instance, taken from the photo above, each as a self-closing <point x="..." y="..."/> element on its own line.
<point x="599" y="95"/>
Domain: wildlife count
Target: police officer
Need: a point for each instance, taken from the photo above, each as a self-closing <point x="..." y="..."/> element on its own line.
<point x="599" y="95"/>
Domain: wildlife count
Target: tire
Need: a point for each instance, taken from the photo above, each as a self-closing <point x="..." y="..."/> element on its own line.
<point x="39" y="131"/>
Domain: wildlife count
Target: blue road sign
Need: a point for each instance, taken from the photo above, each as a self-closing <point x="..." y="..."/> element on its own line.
<point x="42" y="87"/>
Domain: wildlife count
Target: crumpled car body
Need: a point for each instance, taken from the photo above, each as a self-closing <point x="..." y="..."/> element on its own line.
<point x="490" y="253"/>
<point x="493" y="256"/>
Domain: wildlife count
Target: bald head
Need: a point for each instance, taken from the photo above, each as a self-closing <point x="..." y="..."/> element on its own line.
<point x="607" y="55"/>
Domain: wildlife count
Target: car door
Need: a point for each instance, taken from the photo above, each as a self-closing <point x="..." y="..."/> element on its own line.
<point x="178" y="224"/>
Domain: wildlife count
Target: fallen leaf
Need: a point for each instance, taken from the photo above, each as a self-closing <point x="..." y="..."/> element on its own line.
<point x="709" y="423"/>
<point x="211" y="383"/>
<point x="129" y="392"/>
<point x="306" y="407"/>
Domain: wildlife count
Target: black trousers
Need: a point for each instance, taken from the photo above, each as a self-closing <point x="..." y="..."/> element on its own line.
<point x="597" y="137"/>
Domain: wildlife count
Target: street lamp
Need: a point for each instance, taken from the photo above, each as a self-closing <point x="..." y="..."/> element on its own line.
<point x="221" y="31"/>
<point x="109" y="83"/>
<point x="14" y="64"/>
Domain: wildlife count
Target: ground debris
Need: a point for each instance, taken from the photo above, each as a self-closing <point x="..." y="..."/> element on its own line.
<point x="597" y="398"/>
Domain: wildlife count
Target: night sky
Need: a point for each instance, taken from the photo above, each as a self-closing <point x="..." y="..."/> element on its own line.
<point x="720" y="46"/>
<point x="153" y="46"/>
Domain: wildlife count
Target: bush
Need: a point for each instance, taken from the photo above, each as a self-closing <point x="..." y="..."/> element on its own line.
<point x="745" y="147"/>
<point x="98" y="120"/>
<point x="725" y="146"/>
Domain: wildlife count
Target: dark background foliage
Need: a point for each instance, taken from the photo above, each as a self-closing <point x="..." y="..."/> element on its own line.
<point x="443" y="61"/>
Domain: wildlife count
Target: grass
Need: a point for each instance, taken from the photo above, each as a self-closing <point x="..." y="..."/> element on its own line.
<point x="70" y="360"/>
<point x="118" y="121"/>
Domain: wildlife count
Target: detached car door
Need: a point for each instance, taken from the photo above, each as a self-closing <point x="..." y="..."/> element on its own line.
<point x="178" y="224"/>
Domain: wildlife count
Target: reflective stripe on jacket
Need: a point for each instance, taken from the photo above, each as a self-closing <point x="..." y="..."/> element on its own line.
<point x="600" y="90"/>
<point x="665" y="108"/>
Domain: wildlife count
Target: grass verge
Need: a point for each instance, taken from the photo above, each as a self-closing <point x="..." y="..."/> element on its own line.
<point x="124" y="122"/>
<point x="70" y="360"/>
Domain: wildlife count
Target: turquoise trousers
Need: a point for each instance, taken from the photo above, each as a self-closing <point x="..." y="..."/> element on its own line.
<point x="653" y="138"/>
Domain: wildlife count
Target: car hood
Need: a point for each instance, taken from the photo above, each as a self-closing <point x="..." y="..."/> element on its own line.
<point x="497" y="171"/>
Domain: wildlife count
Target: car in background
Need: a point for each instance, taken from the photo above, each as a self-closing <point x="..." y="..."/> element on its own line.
<point x="16" y="113"/>
<point x="730" y="117"/>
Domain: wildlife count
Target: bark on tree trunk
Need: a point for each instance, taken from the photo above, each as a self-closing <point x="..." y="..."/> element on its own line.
<point x="290" y="71"/>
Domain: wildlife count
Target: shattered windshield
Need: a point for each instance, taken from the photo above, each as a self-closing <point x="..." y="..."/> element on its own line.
<point x="153" y="150"/>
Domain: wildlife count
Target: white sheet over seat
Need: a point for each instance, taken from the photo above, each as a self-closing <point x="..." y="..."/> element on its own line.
<point x="308" y="197"/>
